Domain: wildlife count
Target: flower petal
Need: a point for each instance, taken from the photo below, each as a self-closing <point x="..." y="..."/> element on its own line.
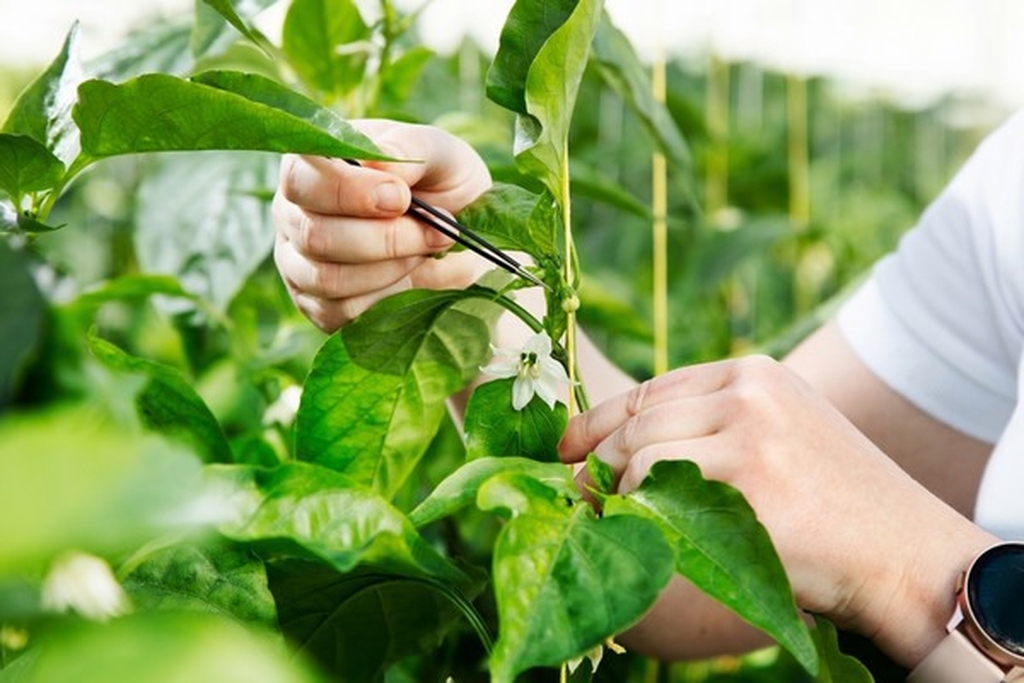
<point x="522" y="392"/>
<point x="539" y="344"/>
<point x="501" y="369"/>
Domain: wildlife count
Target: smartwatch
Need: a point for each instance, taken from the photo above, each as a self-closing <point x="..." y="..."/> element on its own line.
<point x="986" y="634"/>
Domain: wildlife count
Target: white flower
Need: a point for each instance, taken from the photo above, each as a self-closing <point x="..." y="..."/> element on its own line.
<point x="283" y="410"/>
<point x="536" y="372"/>
<point x="84" y="583"/>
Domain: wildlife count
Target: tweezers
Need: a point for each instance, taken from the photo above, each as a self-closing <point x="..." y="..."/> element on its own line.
<point x="446" y="225"/>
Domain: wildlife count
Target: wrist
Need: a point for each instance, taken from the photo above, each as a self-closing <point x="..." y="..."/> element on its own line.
<point x="914" y="621"/>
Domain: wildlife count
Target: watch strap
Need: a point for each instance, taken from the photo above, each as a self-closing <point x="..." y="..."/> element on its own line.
<point x="956" y="660"/>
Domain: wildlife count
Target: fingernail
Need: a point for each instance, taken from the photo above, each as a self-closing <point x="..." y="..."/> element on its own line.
<point x="389" y="198"/>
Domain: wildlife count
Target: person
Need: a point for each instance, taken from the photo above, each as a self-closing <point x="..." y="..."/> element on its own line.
<point x="863" y="452"/>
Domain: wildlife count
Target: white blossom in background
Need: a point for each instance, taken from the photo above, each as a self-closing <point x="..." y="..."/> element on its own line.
<point x="283" y="410"/>
<point x="536" y="373"/>
<point x="84" y="584"/>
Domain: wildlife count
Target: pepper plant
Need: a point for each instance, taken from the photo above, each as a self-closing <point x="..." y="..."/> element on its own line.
<point x="375" y="531"/>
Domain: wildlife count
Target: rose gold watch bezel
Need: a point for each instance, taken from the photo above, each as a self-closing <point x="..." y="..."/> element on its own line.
<point x="970" y="625"/>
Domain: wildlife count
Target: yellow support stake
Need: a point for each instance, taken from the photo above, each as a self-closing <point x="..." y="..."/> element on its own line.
<point x="659" y="204"/>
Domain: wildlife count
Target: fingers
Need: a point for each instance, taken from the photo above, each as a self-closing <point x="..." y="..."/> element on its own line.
<point x="633" y="413"/>
<point x="348" y="239"/>
<point x="336" y="187"/>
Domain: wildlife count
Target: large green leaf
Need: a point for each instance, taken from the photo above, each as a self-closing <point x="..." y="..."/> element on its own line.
<point x="356" y="624"/>
<point x="167" y="403"/>
<point x="328" y="44"/>
<point x="43" y="110"/>
<point x="550" y="84"/>
<point x="494" y="428"/>
<point x="376" y="393"/>
<point x="502" y="216"/>
<point x="460" y="488"/>
<point x="216" y="577"/>
<point x="200" y="218"/>
<point x="564" y="580"/>
<point x="161" y="113"/>
<point x="26" y="166"/>
<point x="158" y="648"/>
<point x="267" y="91"/>
<point x="527" y="27"/>
<point x="70" y="479"/>
<point x="22" y="315"/>
<point x="722" y="548"/>
<point x="622" y="70"/>
<point x="302" y="511"/>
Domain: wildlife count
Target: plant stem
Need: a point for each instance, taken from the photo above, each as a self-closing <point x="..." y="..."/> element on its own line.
<point x="570" y="257"/>
<point x="509" y="305"/>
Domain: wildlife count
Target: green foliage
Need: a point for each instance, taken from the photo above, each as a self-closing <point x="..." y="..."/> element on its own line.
<point x="160" y="113"/>
<point x="162" y="648"/>
<point x="493" y="427"/>
<point x="22" y="313"/>
<point x="563" y="579"/>
<point x="366" y="530"/>
<point x="722" y="548"/>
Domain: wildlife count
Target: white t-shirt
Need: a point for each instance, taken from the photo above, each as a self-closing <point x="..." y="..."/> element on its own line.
<point x="941" y="320"/>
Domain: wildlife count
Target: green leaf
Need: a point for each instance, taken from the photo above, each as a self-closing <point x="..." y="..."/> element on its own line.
<point x="721" y="548"/>
<point x="160" y="648"/>
<point x="328" y="44"/>
<point x="460" y="488"/>
<point x="494" y="428"/>
<point x="836" y="667"/>
<point x="621" y="68"/>
<point x="356" y="624"/>
<point x="551" y="85"/>
<point x="72" y="480"/>
<point x="376" y="393"/>
<point x="226" y="8"/>
<point x="400" y="78"/>
<point x="198" y="218"/>
<point x="302" y="511"/>
<point x="160" y="113"/>
<point x="217" y="577"/>
<point x="133" y="287"/>
<point x="601" y="474"/>
<point x="43" y="110"/>
<point x="27" y="166"/>
<point x="527" y="27"/>
<point x="502" y="216"/>
<point x="22" y="316"/>
<point x="263" y="90"/>
<point x="167" y="403"/>
<point x="564" y="580"/>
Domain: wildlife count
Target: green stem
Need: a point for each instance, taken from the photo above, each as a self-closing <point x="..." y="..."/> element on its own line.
<point x="80" y="163"/>
<point x="570" y="283"/>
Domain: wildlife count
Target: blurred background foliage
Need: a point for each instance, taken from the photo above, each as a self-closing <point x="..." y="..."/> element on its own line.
<point x="793" y="191"/>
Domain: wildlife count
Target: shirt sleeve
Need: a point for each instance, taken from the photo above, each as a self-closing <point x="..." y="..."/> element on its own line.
<point x="940" y="320"/>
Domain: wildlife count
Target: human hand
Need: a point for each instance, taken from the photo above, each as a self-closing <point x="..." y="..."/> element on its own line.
<point x="344" y="240"/>
<point x="862" y="542"/>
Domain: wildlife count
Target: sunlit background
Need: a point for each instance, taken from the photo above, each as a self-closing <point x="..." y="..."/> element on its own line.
<point x="911" y="50"/>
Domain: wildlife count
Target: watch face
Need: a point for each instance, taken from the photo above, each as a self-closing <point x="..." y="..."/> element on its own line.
<point x="995" y="593"/>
